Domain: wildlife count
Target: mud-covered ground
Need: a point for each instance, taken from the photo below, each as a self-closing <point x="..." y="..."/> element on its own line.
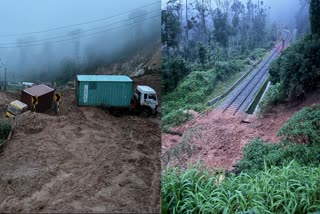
<point x="217" y="139"/>
<point x="86" y="160"/>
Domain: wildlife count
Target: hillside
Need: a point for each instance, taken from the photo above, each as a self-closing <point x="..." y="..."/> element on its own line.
<point x="145" y="60"/>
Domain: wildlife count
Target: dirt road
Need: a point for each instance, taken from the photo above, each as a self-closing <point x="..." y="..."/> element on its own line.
<point x="86" y="160"/>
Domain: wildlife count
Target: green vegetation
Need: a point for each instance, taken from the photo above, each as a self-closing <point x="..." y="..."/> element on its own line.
<point x="258" y="154"/>
<point x="237" y="30"/>
<point x="287" y="189"/>
<point x="297" y="70"/>
<point x="197" y="87"/>
<point x="301" y="143"/>
<point x="257" y="54"/>
<point x="5" y="129"/>
<point x="315" y="16"/>
<point x="193" y="91"/>
<point x="179" y="68"/>
<point x="201" y="59"/>
<point x="272" y="178"/>
<point x="303" y="126"/>
<point x="295" y="73"/>
<point x="273" y="96"/>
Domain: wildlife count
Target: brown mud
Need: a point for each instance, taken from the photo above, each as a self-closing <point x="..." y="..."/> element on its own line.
<point x="85" y="160"/>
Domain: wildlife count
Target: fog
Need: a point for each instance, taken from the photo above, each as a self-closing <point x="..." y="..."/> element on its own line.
<point x="281" y="11"/>
<point x="289" y="13"/>
<point x="41" y="39"/>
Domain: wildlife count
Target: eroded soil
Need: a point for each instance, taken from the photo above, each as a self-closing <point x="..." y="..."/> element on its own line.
<point x="222" y="136"/>
<point x="85" y="160"/>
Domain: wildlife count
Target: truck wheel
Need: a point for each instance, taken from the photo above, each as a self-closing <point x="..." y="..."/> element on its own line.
<point x="145" y="114"/>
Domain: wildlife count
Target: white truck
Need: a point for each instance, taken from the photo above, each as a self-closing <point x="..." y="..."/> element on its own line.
<point x="145" y="101"/>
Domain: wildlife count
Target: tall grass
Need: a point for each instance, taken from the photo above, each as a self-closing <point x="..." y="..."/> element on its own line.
<point x="287" y="189"/>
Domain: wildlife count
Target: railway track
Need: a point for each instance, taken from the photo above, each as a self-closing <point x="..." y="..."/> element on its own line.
<point x="240" y="98"/>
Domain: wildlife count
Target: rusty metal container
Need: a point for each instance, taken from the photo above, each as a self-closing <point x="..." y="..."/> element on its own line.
<point x="45" y="97"/>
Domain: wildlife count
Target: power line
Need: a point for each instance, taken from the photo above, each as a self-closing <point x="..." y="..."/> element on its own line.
<point x="59" y="41"/>
<point x="92" y="29"/>
<point x="83" y="23"/>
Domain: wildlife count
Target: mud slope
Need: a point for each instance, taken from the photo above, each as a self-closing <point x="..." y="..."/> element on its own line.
<point x="223" y="136"/>
<point x="85" y="161"/>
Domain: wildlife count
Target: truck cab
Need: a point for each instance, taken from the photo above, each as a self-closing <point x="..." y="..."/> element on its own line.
<point x="16" y="108"/>
<point x="147" y="101"/>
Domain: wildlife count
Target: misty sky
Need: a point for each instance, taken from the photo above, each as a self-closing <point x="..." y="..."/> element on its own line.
<point x="281" y="10"/>
<point x="24" y="16"/>
<point x="20" y="16"/>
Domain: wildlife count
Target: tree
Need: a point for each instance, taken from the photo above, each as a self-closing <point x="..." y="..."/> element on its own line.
<point x="315" y="16"/>
<point x="302" y="17"/>
<point x="187" y="27"/>
<point x="202" y="13"/>
<point x="170" y="27"/>
<point x="259" y="24"/>
<point x="221" y="27"/>
<point x="303" y="58"/>
<point x="202" y="53"/>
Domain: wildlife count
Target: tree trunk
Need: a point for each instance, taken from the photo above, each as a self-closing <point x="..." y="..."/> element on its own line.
<point x="187" y="34"/>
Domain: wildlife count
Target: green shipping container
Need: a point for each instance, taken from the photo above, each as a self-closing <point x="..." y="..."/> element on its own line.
<point x="104" y="90"/>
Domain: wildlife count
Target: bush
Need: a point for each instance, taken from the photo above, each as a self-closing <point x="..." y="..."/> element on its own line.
<point x="303" y="126"/>
<point x="224" y="69"/>
<point x="5" y="129"/>
<point x="173" y="118"/>
<point x="257" y="53"/>
<point x="255" y="153"/>
<point x="288" y="189"/>
<point x="258" y="154"/>
<point x="201" y="82"/>
<point x="189" y="94"/>
<point x="298" y="68"/>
